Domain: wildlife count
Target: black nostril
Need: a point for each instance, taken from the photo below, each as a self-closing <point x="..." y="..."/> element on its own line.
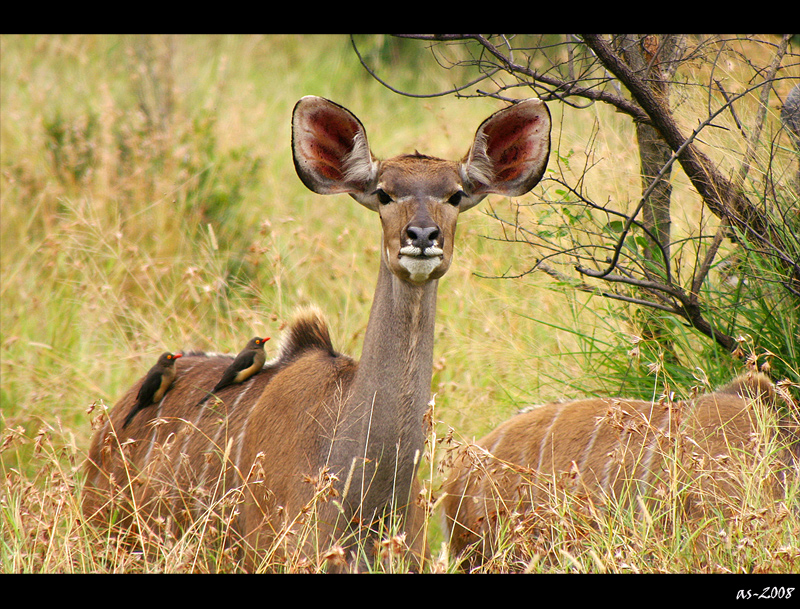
<point x="422" y="237"/>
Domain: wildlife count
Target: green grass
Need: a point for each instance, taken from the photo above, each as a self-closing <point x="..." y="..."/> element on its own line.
<point x="149" y="203"/>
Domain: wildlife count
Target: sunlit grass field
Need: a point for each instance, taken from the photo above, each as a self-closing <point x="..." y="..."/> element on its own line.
<point x="149" y="203"/>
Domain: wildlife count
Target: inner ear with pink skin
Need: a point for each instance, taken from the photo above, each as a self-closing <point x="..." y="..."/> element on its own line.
<point x="508" y="156"/>
<point x="330" y="148"/>
<point x="510" y="152"/>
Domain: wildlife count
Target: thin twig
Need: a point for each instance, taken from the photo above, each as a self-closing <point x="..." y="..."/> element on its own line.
<point x="372" y="73"/>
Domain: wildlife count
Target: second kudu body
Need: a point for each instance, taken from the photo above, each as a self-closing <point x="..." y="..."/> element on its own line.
<point x="622" y="452"/>
<point x="313" y="412"/>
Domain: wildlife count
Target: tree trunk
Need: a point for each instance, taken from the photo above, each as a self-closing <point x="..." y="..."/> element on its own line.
<point x="646" y="54"/>
<point x="719" y="194"/>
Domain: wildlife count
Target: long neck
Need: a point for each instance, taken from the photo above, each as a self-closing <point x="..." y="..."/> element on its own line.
<point x="390" y="392"/>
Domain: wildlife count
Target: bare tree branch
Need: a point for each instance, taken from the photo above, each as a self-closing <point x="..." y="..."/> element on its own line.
<point x="437" y="94"/>
<point x="634" y="74"/>
<point x="721" y="196"/>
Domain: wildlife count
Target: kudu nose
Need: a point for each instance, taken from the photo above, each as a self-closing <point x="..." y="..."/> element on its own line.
<point x="423" y="237"/>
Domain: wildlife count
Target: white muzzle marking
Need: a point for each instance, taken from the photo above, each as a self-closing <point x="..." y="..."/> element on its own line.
<point x="420" y="264"/>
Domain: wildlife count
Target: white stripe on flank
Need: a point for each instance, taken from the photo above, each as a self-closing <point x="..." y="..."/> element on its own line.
<point x="646" y="460"/>
<point x="607" y="460"/>
<point x="154" y="433"/>
<point x="240" y="439"/>
<point x="548" y="435"/>
<point x="590" y="446"/>
<point x="215" y="442"/>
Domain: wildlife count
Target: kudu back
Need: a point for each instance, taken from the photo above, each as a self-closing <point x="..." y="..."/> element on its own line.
<point x="315" y="434"/>
<point x="624" y="451"/>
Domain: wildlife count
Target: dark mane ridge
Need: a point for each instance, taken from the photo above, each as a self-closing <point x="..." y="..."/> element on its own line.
<point x="307" y="331"/>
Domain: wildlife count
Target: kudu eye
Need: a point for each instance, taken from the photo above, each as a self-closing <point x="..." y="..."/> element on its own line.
<point x="383" y="198"/>
<point x="455" y="199"/>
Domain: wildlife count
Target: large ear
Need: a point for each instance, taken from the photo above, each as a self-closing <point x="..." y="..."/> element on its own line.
<point x="510" y="151"/>
<point x="329" y="144"/>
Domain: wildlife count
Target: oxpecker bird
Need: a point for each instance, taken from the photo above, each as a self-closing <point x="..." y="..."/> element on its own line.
<point x="249" y="361"/>
<point x="155" y="384"/>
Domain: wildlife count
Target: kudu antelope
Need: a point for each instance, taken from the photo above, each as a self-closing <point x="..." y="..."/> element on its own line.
<point x="313" y="414"/>
<point x="620" y="450"/>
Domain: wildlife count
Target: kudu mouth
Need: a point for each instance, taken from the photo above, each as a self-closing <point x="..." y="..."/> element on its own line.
<point x="420" y="262"/>
<point x="412" y="251"/>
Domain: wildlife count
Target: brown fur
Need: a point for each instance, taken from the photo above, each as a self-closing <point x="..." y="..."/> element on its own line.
<point x="315" y="436"/>
<point x="605" y="449"/>
<point x="161" y="434"/>
<point x="181" y="460"/>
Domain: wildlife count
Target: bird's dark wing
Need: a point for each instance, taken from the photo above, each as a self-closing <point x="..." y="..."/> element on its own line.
<point x="145" y="396"/>
<point x="148" y="389"/>
<point x="242" y="361"/>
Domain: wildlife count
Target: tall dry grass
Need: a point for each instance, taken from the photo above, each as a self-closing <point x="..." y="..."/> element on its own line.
<point x="149" y="203"/>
